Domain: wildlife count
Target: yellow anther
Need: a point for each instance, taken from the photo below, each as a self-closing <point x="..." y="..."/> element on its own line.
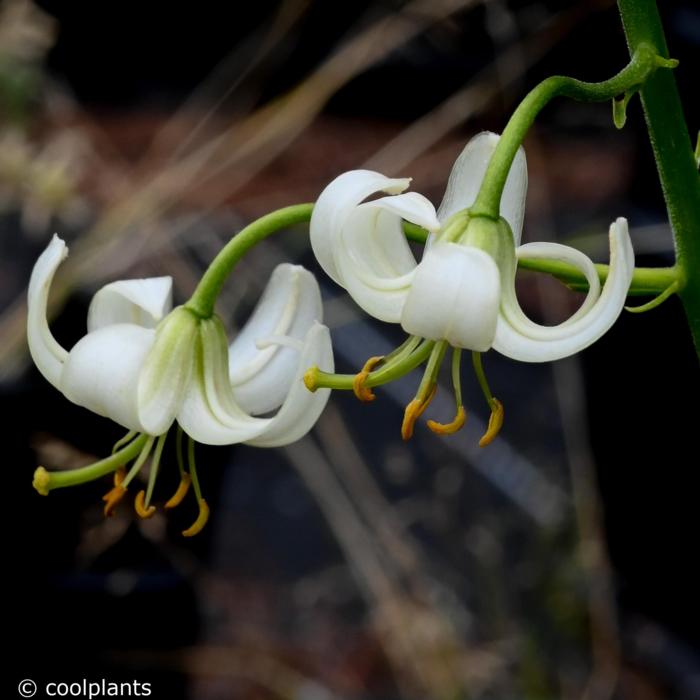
<point x="182" y="489"/>
<point x="198" y="525"/>
<point x="119" y="476"/>
<point x="112" y="498"/>
<point x="311" y="378"/>
<point x="140" y="506"/>
<point x="41" y="481"/>
<point x="449" y="428"/>
<point x="495" y="423"/>
<point x="362" y="392"/>
<point x="413" y="412"/>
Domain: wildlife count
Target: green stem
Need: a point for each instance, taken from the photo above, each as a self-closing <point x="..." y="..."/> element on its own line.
<point x="673" y="151"/>
<point x="204" y="297"/>
<point x="646" y="281"/>
<point x="644" y="62"/>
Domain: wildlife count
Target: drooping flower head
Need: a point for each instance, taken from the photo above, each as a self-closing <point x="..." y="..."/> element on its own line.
<point x="146" y="367"/>
<point x="462" y="292"/>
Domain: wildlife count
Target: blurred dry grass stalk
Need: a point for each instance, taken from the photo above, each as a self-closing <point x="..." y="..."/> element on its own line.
<point x="140" y="216"/>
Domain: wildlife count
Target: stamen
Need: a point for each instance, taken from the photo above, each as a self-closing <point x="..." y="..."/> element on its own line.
<point x="178" y="450"/>
<point x="112" y="499"/>
<point x="414" y="410"/>
<point x="495" y="423"/>
<point x="497" y="413"/>
<point x="140" y="460"/>
<point x="179" y="495"/>
<point x="142" y="510"/>
<point x="362" y="392"/>
<point x="155" y="465"/>
<point x="192" y="467"/>
<point x="203" y="516"/>
<point x="460" y="418"/>
<point x="119" y="476"/>
<point x="124" y="440"/>
<point x="198" y="525"/>
<point x="452" y="427"/>
<point x="426" y="390"/>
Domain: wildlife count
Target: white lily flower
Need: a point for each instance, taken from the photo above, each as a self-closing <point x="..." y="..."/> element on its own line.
<point x="145" y="366"/>
<point x="463" y="290"/>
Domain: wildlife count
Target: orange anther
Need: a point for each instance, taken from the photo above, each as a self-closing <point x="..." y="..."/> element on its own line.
<point x="449" y="428"/>
<point x="119" y="476"/>
<point x="112" y="498"/>
<point x="362" y="392"/>
<point x="198" y="525"/>
<point x="414" y="410"/>
<point x="140" y="506"/>
<point x="182" y="489"/>
<point x="495" y="423"/>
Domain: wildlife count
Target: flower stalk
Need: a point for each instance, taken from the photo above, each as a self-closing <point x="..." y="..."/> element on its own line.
<point x="204" y="298"/>
<point x="644" y="63"/>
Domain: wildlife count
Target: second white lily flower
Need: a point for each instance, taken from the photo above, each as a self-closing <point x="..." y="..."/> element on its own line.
<point x="463" y="289"/>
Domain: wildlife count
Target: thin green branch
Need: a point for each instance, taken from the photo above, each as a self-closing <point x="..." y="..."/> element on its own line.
<point x="646" y="281"/>
<point x="643" y="64"/>
<point x="204" y="297"/>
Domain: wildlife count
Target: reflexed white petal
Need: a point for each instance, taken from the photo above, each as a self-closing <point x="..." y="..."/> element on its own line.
<point x="102" y="371"/>
<point x="302" y="408"/>
<point x="468" y="173"/>
<point x="143" y="302"/>
<point x="336" y="203"/>
<point x="289" y="306"/>
<point x="412" y="206"/>
<point x="455" y="297"/>
<point x="47" y="354"/>
<point x="210" y="414"/>
<point x="166" y="371"/>
<point x="375" y="261"/>
<point x="533" y="343"/>
<point x="561" y="253"/>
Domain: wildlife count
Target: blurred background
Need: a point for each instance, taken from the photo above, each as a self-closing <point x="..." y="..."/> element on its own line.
<point x="560" y="562"/>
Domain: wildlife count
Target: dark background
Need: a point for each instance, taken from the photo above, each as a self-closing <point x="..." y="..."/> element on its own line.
<point x="131" y="609"/>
